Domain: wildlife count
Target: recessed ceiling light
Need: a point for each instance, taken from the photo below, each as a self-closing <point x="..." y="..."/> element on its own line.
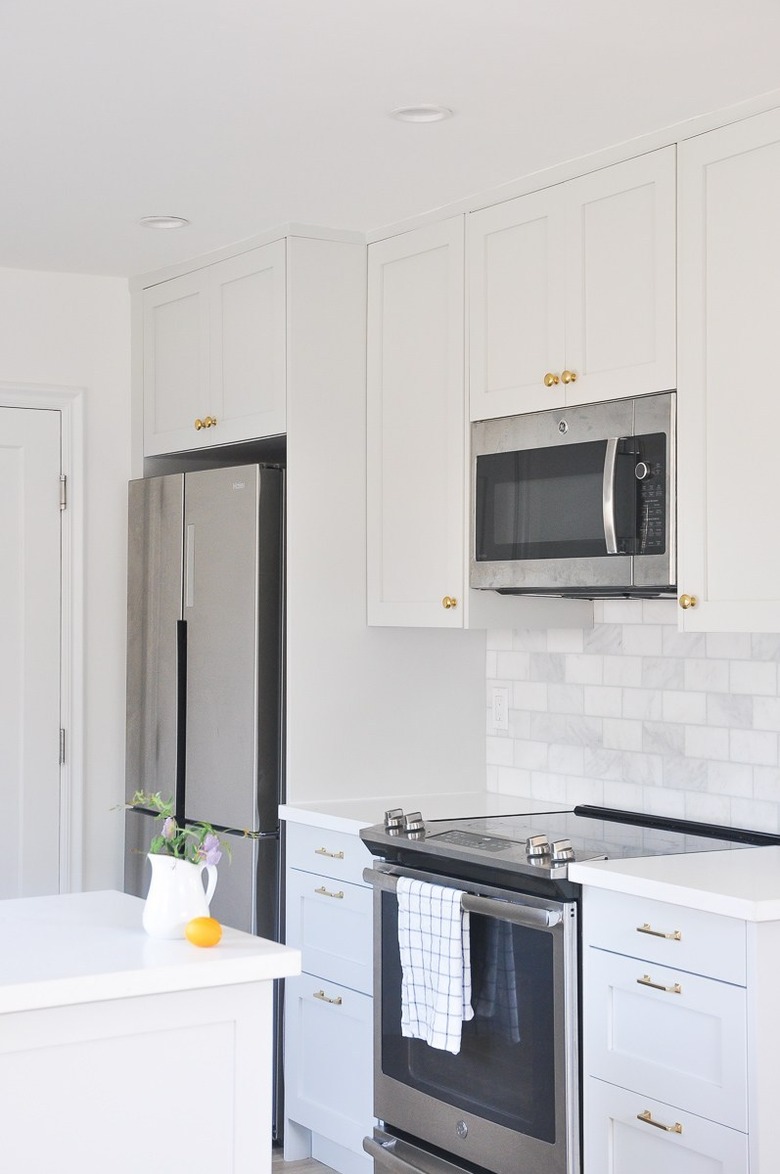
<point x="163" y="222"/>
<point x="421" y="113"/>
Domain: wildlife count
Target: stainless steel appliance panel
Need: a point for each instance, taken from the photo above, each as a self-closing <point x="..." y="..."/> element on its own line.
<point x="247" y="893"/>
<point x="154" y="587"/>
<point x="466" y="1105"/>
<point x="139" y="830"/>
<point x="591" y="575"/>
<point x="220" y="607"/>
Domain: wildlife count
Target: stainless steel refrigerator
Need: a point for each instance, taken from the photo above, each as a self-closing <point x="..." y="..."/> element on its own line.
<point x="205" y="674"/>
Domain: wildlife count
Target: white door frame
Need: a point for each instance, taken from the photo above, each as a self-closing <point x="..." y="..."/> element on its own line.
<point x="70" y="403"/>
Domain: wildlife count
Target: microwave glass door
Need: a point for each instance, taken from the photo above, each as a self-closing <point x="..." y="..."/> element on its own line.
<point x="548" y="503"/>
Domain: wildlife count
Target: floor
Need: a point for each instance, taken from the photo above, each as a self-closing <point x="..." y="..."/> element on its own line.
<point x="305" y="1166"/>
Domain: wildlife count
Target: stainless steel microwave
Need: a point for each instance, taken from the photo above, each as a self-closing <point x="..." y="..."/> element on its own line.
<point x="576" y="501"/>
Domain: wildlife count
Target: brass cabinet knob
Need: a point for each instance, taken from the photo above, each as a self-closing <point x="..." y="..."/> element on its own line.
<point x="687" y="601"/>
<point x="210" y="422"/>
<point x="448" y="602"/>
<point x="199" y="424"/>
<point x="550" y="379"/>
<point x="569" y="376"/>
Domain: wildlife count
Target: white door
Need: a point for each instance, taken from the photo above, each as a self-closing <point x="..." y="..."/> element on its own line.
<point x="30" y="583"/>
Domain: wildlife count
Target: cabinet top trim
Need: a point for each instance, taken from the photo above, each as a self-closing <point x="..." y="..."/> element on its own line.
<point x="144" y="281"/>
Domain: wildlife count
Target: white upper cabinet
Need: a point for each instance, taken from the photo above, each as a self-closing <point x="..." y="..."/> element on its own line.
<point x="728" y="411"/>
<point x="417" y="477"/>
<point x="572" y="291"/>
<point x="214" y="347"/>
<point x="415" y="418"/>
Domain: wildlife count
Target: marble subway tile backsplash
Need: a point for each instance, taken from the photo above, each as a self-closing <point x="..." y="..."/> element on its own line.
<point x="636" y="714"/>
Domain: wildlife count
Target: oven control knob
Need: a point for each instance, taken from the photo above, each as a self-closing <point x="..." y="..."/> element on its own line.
<point x="537" y="846"/>
<point x="642" y="471"/>
<point x="394" y="820"/>
<point x="413" y="823"/>
<point x="561" y="851"/>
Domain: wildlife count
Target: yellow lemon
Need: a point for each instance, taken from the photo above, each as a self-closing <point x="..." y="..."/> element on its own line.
<point x="203" y="931"/>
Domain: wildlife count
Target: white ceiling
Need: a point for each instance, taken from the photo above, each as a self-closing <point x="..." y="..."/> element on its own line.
<point x="242" y="115"/>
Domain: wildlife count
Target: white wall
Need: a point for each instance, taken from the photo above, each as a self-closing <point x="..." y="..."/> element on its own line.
<point x="66" y="331"/>
<point x="637" y="715"/>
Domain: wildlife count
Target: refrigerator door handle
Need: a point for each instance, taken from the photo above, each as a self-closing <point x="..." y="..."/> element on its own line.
<point x="189" y="566"/>
<point x="181" y="720"/>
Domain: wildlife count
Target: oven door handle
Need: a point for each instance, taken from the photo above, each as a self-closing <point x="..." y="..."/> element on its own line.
<point x="510" y="911"/>
<point x="608" y="495"/>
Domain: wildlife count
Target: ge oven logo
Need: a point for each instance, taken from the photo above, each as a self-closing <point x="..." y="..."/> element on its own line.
<point x="462" y="1129"/>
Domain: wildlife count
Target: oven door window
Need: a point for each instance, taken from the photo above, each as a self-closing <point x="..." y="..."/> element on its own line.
<point x="545" y="503"/>
<point x="505" y="1070"/>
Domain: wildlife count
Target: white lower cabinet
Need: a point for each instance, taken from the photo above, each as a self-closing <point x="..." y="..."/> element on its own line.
<point x="630" y="1133"/>
<point x="666" y="1024"/>
<point x="329" y="1040"/>
<point x="329" y="1031"/>
<point x="676" y="1036"/>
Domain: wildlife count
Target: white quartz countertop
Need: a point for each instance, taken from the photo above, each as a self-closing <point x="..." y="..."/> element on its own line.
<point x="350" y="815"/>
<point x="87" y="947"/>
<point x="740" y="882"/>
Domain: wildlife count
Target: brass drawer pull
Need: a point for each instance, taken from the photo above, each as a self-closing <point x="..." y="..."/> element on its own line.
<point x="647" y="1117"/>
<point x="674" y="936"/>
<point x="646" y="980"/>
<point x="325" y="999"/>
<point x="330" y="855"/>
<point x="323" y="892"/>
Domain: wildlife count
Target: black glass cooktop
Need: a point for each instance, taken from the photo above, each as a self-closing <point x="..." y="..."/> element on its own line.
<point x="543" y="845"/>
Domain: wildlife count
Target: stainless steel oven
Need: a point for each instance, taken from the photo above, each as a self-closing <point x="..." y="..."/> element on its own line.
<point x="508" y="1101"/>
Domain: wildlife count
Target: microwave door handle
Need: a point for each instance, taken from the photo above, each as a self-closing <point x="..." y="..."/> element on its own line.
<point x="608" y="494"/>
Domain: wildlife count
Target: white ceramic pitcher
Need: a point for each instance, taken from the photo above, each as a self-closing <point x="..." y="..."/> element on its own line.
<point x="176" y="895"/>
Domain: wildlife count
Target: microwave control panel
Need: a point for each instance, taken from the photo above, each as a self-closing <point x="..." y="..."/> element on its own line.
<point x="650" y="475"/>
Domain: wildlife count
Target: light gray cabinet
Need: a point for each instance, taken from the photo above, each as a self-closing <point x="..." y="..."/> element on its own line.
<point x="328" y="1064"/>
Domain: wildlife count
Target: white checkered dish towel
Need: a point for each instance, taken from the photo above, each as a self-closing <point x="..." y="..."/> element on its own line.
<point x="433" y="940"/>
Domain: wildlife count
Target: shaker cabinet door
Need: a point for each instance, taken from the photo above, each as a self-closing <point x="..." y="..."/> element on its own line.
<point x="620" y="279"/>
<point x="415" y="419"/>
<point x="175" y="364"/>
<point x="214" y="353"/>
<point x="631" y="1134"/>
<point x="516" y="305"/>
<point x="572" y="291"/>
<point x="249" y="343"/>
<point x="329" y="1061"/>
<point x="728" y="412"/>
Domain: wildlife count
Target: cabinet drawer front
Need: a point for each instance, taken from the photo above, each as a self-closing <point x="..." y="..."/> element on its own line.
<point x="340" y="855"/>
<point x="672" y="1035"/>
<point x="331" y="923"/>
<point x="329" y="1060"/>
<point x="687" y="939"/>
<point x="618" y="1142"/>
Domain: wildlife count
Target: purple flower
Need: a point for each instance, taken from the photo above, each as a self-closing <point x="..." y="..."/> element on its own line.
<point x="169" y="828"/>
<point x="209" y="850"/>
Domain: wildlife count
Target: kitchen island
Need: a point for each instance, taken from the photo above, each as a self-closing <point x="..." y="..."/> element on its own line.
<point x="126" y="1053"/>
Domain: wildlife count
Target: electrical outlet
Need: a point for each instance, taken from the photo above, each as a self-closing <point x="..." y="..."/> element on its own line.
<point x="500" y="708"/>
